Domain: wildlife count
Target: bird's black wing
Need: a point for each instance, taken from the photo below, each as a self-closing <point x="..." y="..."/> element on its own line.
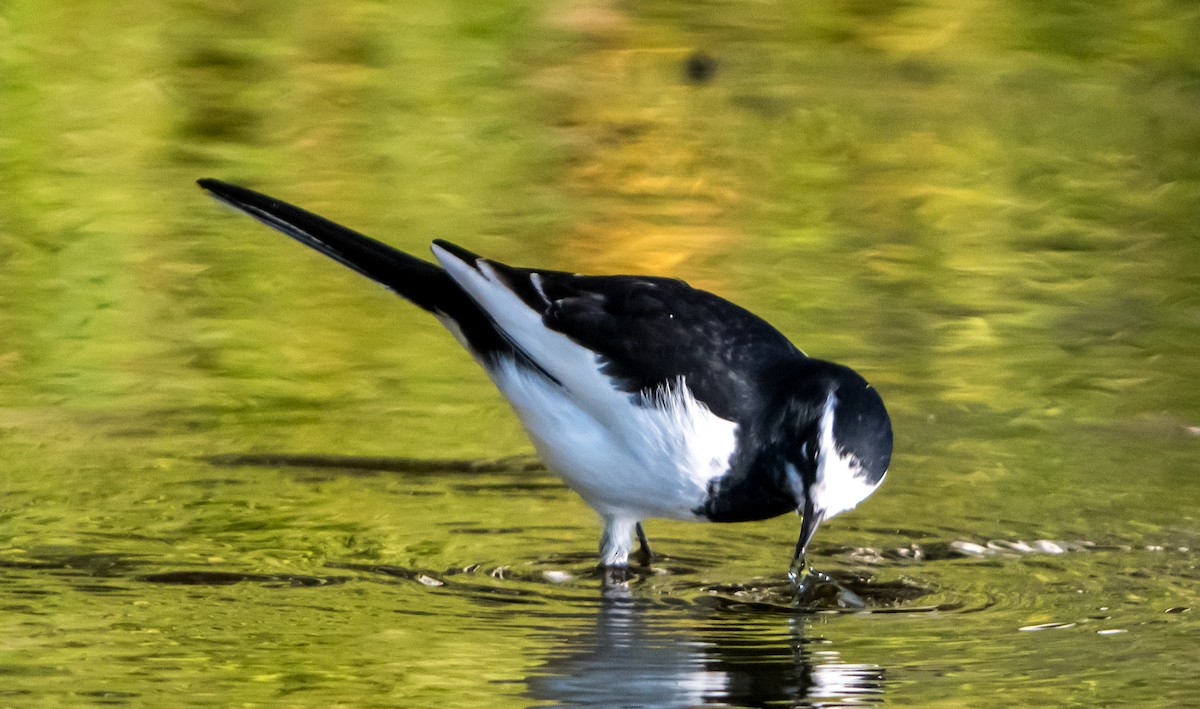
<point x="650" y="332"/>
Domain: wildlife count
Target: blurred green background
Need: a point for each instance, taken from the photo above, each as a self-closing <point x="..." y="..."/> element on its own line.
<point x="990" y="209"/>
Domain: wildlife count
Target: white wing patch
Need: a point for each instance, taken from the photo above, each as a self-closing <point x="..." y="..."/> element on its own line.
<point x="536" y="280"/>
<point x="626" y="458"/>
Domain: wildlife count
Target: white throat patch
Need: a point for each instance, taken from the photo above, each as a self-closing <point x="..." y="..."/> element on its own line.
<point x="841" y="481"/>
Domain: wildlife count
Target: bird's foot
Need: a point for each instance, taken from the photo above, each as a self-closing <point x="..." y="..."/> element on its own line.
<point x="816" y="589"/>
<point x="616" y="574"/>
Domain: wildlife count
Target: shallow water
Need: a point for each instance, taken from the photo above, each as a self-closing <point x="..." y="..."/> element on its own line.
<point x="991" y="212"/>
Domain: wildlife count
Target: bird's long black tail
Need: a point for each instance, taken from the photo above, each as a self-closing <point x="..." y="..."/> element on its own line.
<point x="422" y="283"/>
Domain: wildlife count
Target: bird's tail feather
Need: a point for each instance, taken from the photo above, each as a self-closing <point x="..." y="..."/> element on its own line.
<point x="420" y="282"/>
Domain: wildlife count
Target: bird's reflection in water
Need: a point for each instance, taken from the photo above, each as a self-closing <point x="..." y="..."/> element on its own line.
<point x="645" y="654"/>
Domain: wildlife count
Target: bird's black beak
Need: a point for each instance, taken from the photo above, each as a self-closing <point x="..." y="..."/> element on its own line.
<point x="808" y="527"/>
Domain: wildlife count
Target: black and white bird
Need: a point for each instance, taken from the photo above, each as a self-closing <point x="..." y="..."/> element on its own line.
<point x="648" y="397"/>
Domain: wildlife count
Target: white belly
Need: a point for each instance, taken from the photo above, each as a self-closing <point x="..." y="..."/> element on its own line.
<point x="631" y="460"/>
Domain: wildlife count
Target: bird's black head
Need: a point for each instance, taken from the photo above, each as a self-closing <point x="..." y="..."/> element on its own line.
<point x="841" y="443"/>
<point x="862" y="428"/>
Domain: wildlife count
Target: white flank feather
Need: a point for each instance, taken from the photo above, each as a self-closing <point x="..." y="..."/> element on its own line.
<point x="628" y="458"/>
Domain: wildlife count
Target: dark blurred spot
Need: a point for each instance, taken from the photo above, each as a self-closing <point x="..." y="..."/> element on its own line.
<point x="699" y="68"/>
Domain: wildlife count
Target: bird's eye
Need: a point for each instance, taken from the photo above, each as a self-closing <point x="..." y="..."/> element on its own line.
<point x="809" y="451"/>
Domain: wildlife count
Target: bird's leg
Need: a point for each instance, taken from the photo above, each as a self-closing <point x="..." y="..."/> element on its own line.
<point x="798" y="569"/>
<point x="615" y="543"/>
<point x="644" y="555"/>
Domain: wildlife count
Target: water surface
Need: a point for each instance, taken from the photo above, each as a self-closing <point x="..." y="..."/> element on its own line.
<point x="991" y="212"/>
